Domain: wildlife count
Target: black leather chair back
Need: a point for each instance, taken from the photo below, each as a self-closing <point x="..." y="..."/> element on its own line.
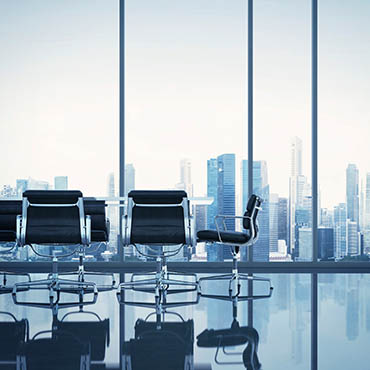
<point x="52" y="224"/>
<point x="99" y="222"/>
<point x="158" y="217"/>
<point x="253" y="205"/>
<point x="9" y="209"/>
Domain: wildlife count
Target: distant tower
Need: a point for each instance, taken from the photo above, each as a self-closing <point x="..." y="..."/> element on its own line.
<point x="22" y="186"/>
<point x="367" y="216"/>
<point x="274" y="222"/>
<point x="283" y="220"/>
<point x="212" y="173"/>
<point x="352" y="194"/>
<point x="226" y="193"/>
<point x="61" y="182"/>
<point x="261" y="188"/>
<point x="129" y="178"/>
<point x="185" y="177"/>
<point x="340" y="230"/>
<point x="296" y="186"/>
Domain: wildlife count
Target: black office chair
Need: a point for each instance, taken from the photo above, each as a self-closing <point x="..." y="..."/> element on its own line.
<point x="235" y="240"/>
<point x="163" y="346"/>
<point x="100" y="226"/>
<point x="229" y="338"/>
<point x="9" y="210"/>
<point x="158" y="219"/>
<point x="60" y="352"/>
<point x="12" y="334"/>
<point x="54" y="217"/>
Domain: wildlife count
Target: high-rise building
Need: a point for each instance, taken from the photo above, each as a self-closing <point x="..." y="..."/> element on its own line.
<point x="226" y="193"/>
<point x="340" y="230"/>
<point x="295" y="185"/>
<point x="274" y="221"/>
<point x="185" y="177"/>
<point x="352" y="194"/>
<point x="283" y="220"/>
<point x="367" y="216"/>
<point x="261" y="188"/>
<point x="353" y="245"/>
<point x="61" y="182"/>
<point x="326" y="243"/>
<point x="37" y="185"/>
<point x="305" y="243"/>
<point x="212" y="173"/>
<point x="214" y="252"/>
<point x="21" y="186"/>
<point x="129" y="178"/>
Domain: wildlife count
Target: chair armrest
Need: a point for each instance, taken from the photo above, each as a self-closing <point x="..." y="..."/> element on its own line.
<point x="88" y="229"/>
<point x="223" y="217"/>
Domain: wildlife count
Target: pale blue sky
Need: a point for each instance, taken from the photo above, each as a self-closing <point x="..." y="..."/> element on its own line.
<point x="185" y="88"/>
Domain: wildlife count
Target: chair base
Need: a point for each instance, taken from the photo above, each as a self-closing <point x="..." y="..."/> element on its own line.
<point x="81" y="279"/>
<point x="236" y="278"/>
<point x="55" y="287"/>
<point x="6" y="289"/>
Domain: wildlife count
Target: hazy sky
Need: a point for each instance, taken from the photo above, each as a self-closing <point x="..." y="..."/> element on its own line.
<point x="185" y="89"/>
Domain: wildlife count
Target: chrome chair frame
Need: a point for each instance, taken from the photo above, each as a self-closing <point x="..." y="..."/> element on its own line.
<point x="53" y="283"/>
<point x="160" y="280"/>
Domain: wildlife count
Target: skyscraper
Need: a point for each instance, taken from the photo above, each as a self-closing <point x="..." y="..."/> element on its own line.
<point x="212" y="173"/>
<point x="185" y="177"/>
<point x="326" y="243"/>
<point x="367" y="216"/>
<point x="283" y="220"/>
<point x="352" y="194"/>
<point x="261" y="188"/>
<point x="226" y="193"/>
<point x="61" y="182"/>
<point x="340" y="230"/>
<point x="214" y="252"/>
<point x="294" y="188"/>
<point x="22" y="186"/>
<point x="129" y="178"/>
<point x="274" y="221"/>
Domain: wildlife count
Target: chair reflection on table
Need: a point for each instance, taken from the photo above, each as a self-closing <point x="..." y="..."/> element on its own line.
<point x="160" y="344"/>
<point x="12" y="333"/>
<point x="236" y="335"/>
<point x="69" y="344"/>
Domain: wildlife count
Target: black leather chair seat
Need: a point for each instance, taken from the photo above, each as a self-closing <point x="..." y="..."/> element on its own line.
<point x="211" y="338"/>
<point x="226" y="236"/>
<point x="7" y="236"/>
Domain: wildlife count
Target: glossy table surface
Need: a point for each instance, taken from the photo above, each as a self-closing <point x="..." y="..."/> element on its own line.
<point x="278" y="328"/>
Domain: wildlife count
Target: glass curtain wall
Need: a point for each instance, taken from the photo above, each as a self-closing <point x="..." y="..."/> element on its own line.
<point x="344" y="169"/>
<point x="59" y="100"/>
<point x="282" y="129"/>
<point x="185" y="109"/>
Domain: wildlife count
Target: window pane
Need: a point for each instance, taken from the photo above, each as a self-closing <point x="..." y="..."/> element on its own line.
<point x="59" y="96"/>
<point x="186" y="103"/>
<point x="344" y="171"/>
<point x="282" y="129"/>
